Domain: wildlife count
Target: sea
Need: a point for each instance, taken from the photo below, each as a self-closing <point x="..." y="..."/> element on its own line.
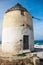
<point x="39" y="42"/>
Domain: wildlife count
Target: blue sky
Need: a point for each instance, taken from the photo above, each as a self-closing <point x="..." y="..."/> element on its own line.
<point x="35" y="7"/>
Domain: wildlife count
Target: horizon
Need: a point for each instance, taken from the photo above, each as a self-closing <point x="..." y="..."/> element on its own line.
<point x="35" y="7"/>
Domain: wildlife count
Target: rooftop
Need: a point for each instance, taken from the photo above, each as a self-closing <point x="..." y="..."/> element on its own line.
<point x="16" y="7"/>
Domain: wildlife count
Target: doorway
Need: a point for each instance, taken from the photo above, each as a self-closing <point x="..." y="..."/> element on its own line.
<point x="25" y="42"/>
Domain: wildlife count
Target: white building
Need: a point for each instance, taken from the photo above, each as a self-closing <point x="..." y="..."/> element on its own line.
<point x="17" y="33"/>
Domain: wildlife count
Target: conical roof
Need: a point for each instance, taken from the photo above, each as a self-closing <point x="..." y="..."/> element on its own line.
<point x="16" y="7"/>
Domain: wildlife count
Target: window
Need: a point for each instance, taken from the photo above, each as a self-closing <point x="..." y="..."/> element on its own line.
<point x="25" y="42"/>
<point x="22" y="12"/>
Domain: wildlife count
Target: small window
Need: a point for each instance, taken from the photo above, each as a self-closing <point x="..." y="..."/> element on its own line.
<point x="22" y="12"/>
<point x="25" y="42"/>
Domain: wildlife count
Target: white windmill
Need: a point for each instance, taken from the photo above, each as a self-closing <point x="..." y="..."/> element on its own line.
<point x="17" y="33"/>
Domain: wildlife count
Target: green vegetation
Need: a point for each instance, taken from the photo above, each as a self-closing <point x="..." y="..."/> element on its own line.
<point x="23" y="54"/>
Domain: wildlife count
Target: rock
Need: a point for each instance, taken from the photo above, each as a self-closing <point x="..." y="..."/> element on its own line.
<point x="2" y="64"/>
<point x="36" y="60"/>
<point x="32" y="60"/>
<point x="29" y="64"/>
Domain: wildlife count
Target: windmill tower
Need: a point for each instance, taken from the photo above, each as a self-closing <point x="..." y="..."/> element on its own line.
<point x="17" y="33"/>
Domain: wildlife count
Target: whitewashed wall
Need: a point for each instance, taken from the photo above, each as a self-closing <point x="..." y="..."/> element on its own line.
<point x="13" y="31"/>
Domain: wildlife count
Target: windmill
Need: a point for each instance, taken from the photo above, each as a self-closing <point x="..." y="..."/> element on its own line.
<point x="28" y="26"/>
<point x="17" y="30"/>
